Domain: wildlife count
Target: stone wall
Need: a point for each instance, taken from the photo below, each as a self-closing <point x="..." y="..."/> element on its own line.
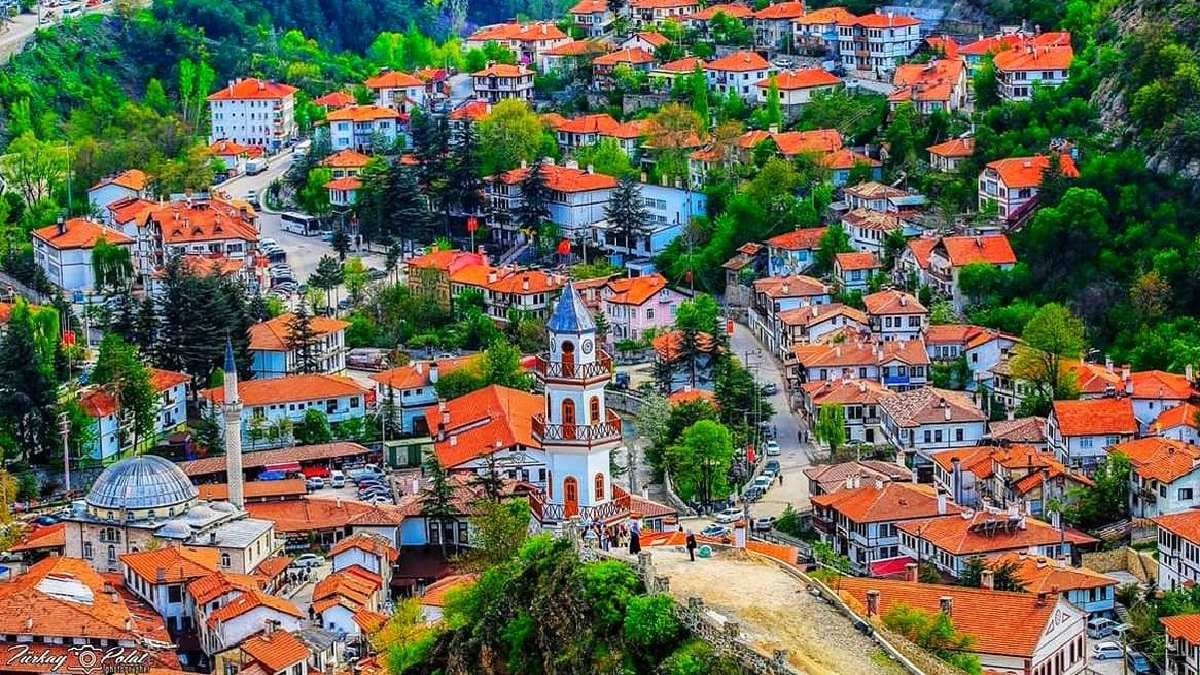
<point x="1124" y="559"/>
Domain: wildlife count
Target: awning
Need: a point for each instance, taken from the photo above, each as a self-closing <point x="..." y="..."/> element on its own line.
<point x="892" y="567"/>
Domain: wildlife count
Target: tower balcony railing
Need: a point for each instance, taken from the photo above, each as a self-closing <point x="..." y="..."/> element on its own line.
<point x="545" y="511"/>
<point x="551" y="369"/>
<point x="589" y="434"/>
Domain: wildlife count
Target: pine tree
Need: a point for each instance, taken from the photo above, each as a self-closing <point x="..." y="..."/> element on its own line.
<point x="535" y="200"/>
<point x="626" y="213"/>
<point x="301" y="339"/>
<point x="406" y="209"/>
<point x="123" y="319"/>
<point x="464" y="176"/>
<point x="195" y="319"/>
<point x="258" y="309"/>
<point x="490" y="480"/>
<point x="340" y="243"/>
<point x="28" y="397"/>
<point x="146" y="329"/>
<point x="436" y="497"/>
<point x="238" y="322"/>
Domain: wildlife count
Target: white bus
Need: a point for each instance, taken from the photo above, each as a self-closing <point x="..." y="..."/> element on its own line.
<point x="302" y="223"/>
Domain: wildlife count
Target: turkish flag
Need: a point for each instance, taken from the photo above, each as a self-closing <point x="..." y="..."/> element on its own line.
<point x="69" y="337"/>
<point x="564" y="247"/>
<point x="472" y="224"/>
<point x="750" y="454"/>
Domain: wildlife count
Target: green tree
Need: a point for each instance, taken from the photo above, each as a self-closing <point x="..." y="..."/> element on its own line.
<point x="301" y="339"/>
<point x="986" y="84"/>
<point x="626" y="213"/>
<point x="314" y="428"/>
<point x="501" y="364"/>
<point x="498" y="529"/>
<point x="833" y="241"/>
<point x="606" y="157"/>
<point x="120" y="368"/>
<point x="1106" y="500"/>
<point x="534" y="208"/>
<point x="1053" y="336"/>
<point x="27" y="392"/>
<point x="314" y="197"/>
<point x="509" y="134"/>
<point x="701" y="460"/>
<point x="934" y="633"/>
<point x="830" y="427"/>
<point x="437" y="498"/>
<point x="112" y="266"/>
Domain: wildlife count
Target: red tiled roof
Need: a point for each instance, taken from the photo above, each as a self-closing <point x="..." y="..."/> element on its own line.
<point x="519" y="32"/>
<point x="846" y="159"/>
<point x="739" y="62"/>
<point x="977" y="460"/>
<point x="276" y="652"/>
<point x="857" y="261"/>
<point x="578" y="47"/>
<point x="131" y="179"/>
<point x="472" y="110"/>
<point x="843" y="392"/>
<point x="798" y="240"/>
<point x="368" y="543"/>
<point x="634" y="55"/>
<point x="503" y="70"/>
<point x="347" y="184"/>
<point x="483" y="420"/>
<point x="795" y="286"/>
<point x="178" y="563"/>
<point x="731" y="10"/>
<point x="1033" y="58"/>
<point x="314" y="514"/>
<point x="1184" y="414"/>
<point x="985" y="533"/>
<point x="929" y="405"/>
<point x="814" y="314"/>
<point x="162" y="380"/>
<point x="825" y="15"/>
<point x="1185" y="524"/>
<point x="272" y="335"/>
<point x="261" y="458"/>
<point x="128" y="209"/>
<point x="663" y="4"/>
<point x="992" y="249"/>
<point x="885" y="21"/>
<point x="1095" y="417"/>
<point x="272" y="567"/>
<point x="588" y="124"/>
<point x="891" y="502"/>
<point x="52" y="536"/>
<point x="955" y="147"/>
<point x="1162" y="459"/>
<point x="362" y="113"/>
<point x="563" y="179"/>
<point x="654" y="39"/>
<point x="590" y="7"/>
<point x="253" y="89"/>
<point x="1183" y="626"/>
<point x="791" y="143"/>
<point x="335" y="99"/>
<point x="207" y="588"/>
<point x="435" y="593"/>
<point x="689" y="395"/>
<point x="527" y="282"/>
<point x="781" y="11"/>
<point x="801" y="79"/>
<point x="687" y="64"/>
<point x="893" y="302"/>
<point x="346" y="159"/>
<point x="416" y="375"/>
<point x="635" y="290"/>
<point x="290" y="389"/>
<point x="393" y="79"/>
<point x="186" y="221"/>
<point x="945" y="45"/>
<point x="1161" y="385"/>
<point x="1000" y="623"/>
<point x="667" y="345"/>
<point x="1038" y="574"/>
<point x="98" y="403"/>
<point x="80" y="233"/>
<point x="249" y="601"/>
<point x="291" y="487"/>
<point x="1026" y="172"/>
<point x="933" y="81"/>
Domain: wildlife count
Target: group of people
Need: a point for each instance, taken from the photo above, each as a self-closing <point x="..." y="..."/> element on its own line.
<point x="618" y="536"/>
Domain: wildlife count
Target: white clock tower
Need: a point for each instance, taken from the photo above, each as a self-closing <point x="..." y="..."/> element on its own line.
<point x="576" y="429"/>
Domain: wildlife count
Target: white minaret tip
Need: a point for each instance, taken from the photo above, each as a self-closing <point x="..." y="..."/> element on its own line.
<point x="233" y="430"/>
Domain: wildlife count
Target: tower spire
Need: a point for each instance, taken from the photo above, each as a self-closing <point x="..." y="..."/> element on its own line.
<point x="232" y="415"/>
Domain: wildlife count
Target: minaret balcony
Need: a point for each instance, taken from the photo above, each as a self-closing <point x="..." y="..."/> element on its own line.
<point x="555" y="370"/>
<point x="598" y="433"/>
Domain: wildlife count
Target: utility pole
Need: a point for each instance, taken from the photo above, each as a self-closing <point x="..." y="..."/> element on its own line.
<point x="66" y="428"/>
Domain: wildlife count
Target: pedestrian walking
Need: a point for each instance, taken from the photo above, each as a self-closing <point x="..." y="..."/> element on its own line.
<point x="635" y="538"/>
<point x="691" y="545"/>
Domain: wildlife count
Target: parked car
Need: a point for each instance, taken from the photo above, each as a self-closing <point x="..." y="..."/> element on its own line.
<point x="308" y="560"/>
<point x="763" y="524"/>
<point x="763" y="482"/>
<point x="730" y="515"/>
<point x="315" y="483"/>
<point x="1106" y="650"/>
<point x="773" y="449"/>
<point x="1138" y="663"/>
<point x="1100" y="627"/>
<point x="772" y="464"/>
<point x="753" y="493"/>
<point x="771" y="473"/>
<point x="45" y="521"/>
<point x="337" y="479"/>
<point x="715" y="531"/>
<point x="770" y="389"/>
<point x="252" y="196"/>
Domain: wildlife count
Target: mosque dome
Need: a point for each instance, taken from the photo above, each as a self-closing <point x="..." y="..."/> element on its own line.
<point x="174" y="529"/>
<point x="141" y="483"/>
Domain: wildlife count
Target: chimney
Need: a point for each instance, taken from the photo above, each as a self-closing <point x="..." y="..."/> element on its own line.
<point x="525" y="283"/>
<point x="903" y="300"/>
<point x="862" y="386"/>
<point x="29" y="623"/>
<point x="62" y="226"/>
<point x="128" y="620"/>
<point x="946" y="409"/>
<point x="445" y="418"/>
<point x="941" y="503"/>
<point x="774" y="129"/>
<point x="1189" y="372"/>
<point x="433" y="373"/>
<point x="1127" y="379"/>
<point x="987" y="579"/>
<point x="269" y="627"/>
<point x="849" y="482"/>
<point x="160" y="575"/>
<point x="591" y="169"/>
<point x="910" y="571"/>
<point x="872" y="603"/>
<point x="453" y="440"/>
<point x="946" y="604"/>
<point x="1041" y="599"/>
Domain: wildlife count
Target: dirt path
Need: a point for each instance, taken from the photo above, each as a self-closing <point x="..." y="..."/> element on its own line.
<point x="775" y="612"/>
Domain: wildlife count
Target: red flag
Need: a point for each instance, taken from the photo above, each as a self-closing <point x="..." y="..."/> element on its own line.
<point x="472" y="224"/>
<point x="750" y="453"/>
<point x="729" y="326"/>
<point x="564" y="247"/>
<point x="69" y="337"/>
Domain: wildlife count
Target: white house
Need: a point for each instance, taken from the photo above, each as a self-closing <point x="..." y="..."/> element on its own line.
<point x="853" y="271"/>
<point x="210" y="228"/>
<point x="397" y="90"/>
<point x="160" y="577"/>
<point x="410" y="390"/>
<point x="274" y="354"/>
<point x="265" y="402"/>
<point x="132" y="183"/>
<point x="369" y="552"/>
<point x="64" y="252"/>
<point x="249" y="613"/>
<point x="1183" y="644"/>
<point x="1050" y="638"/>
<point x="527" y="40"/>
<point x="817" y="30"/>
<point x="1080" y="432"/>
<point x="796" y="88"/>
<point x="877" y="43"/>
<point x="593" y="16"/>
<point x="738" y="73"/>
<point x="254" y="112"/>
<point x="859" y="400"/>
<point x="896" y="315"/>
<point x="1019" y="70"/>
<point x="668" y="210"/>
<point x="869" y="229"/>
<point x="793" y="252"/>
<point x="815" y="323"/>
<point x="1165" y="477"/>
<point x="500" y="81"/>
<point x="773" y="24"/>
<point x="860" y="522"/>
<point x="1178" y="550"/>
<point x="1012" y="182"/>
<point x="362" y="128"/>
<point x="947" y="156"/>
<point x="343" y="192"/>
<point x="773" y="295"/>
<point x="112" y="437"/>
<point x="578" y="198"/>
<point x="939" y="85"/>
<point x="1181" y="423"/>
<point x="951" y="254"/>
<point x="919" y="422"/>
<point x="652" y="11"/>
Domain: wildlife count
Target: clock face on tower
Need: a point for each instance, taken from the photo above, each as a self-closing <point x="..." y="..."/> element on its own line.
<point x="587" y="346"/>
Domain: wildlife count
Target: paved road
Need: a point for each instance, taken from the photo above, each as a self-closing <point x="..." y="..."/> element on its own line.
<point x="17" y="31"/>
<point x="303" y="253"/>
<point x="796" y="456"/>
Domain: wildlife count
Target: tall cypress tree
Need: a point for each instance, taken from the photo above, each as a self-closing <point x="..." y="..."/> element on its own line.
<point x="465" y="170"/>
<point x="28" y="397"/>
<point x="407" y="209"/>
<point x="146" y="328"/>
<point x="535" y="199"/>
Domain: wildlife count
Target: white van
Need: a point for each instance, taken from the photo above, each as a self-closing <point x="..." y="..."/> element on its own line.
<point x="337" y="479"/>
<point x="1099" y="627"/>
